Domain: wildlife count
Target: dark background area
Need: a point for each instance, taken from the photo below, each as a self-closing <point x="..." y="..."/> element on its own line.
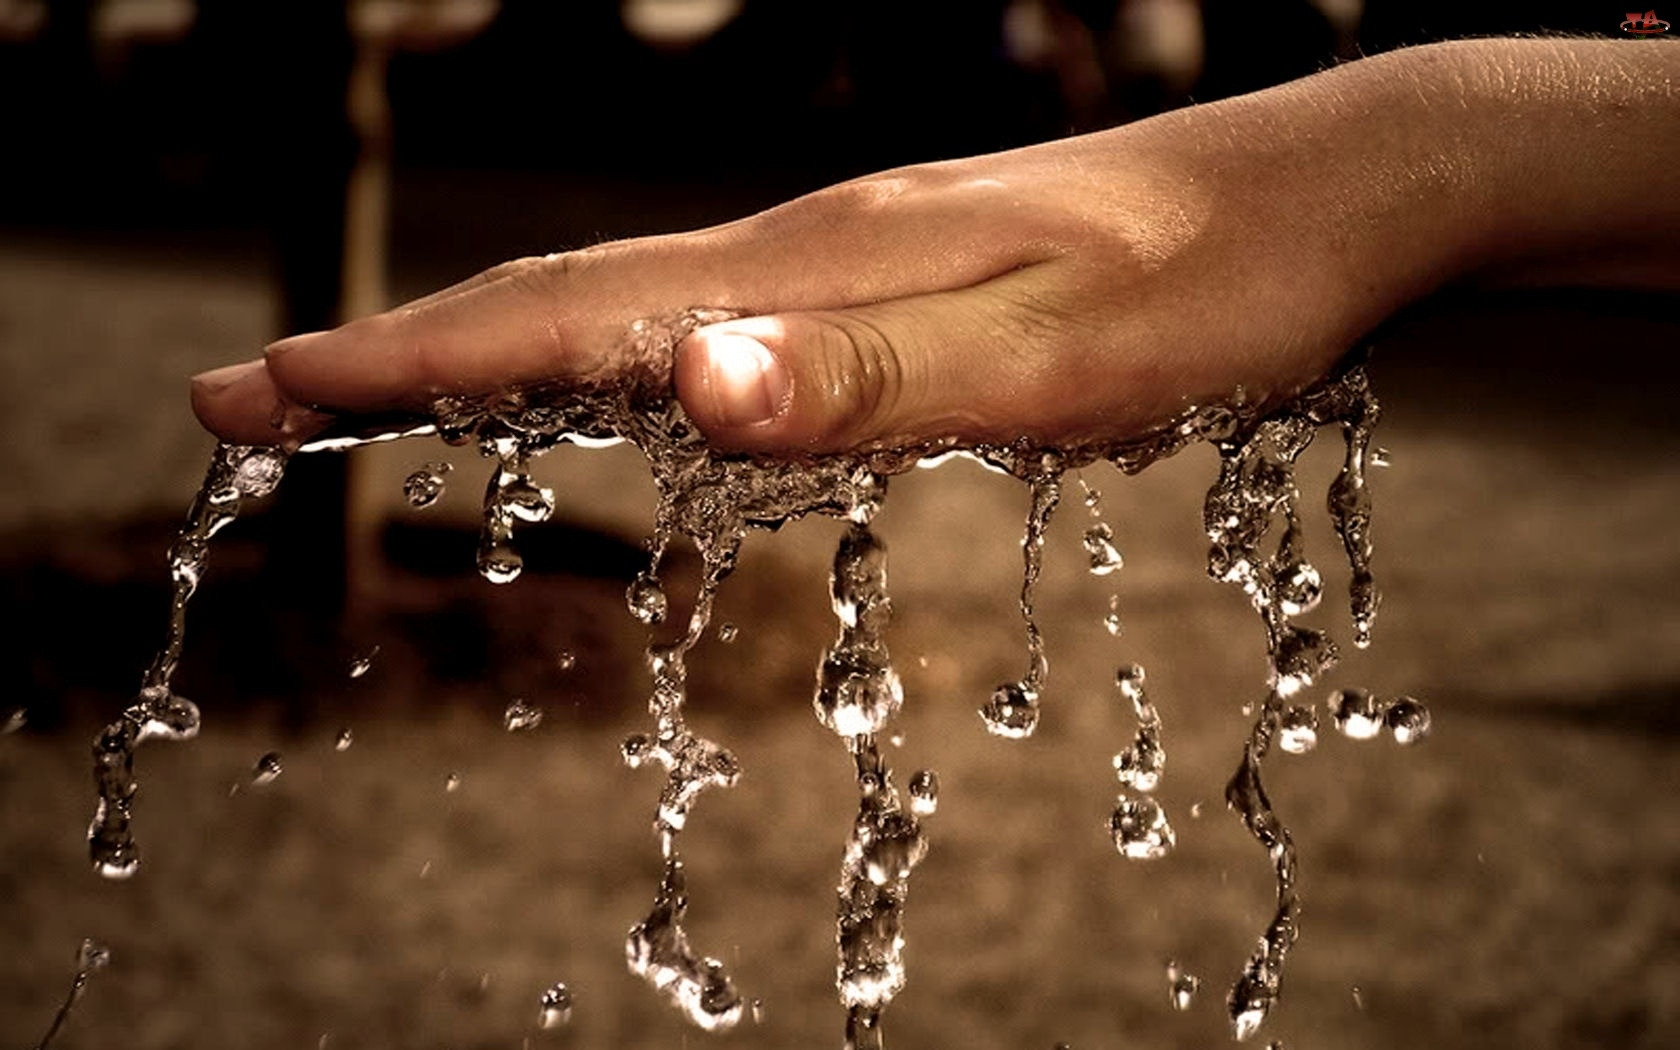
<point x="174" y="195"/>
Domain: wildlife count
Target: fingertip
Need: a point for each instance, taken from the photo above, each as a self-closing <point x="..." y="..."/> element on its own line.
<point x="242" y="404"/>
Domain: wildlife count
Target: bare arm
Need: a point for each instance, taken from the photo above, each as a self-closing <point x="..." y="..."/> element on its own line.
<point x="1089" y="287"/>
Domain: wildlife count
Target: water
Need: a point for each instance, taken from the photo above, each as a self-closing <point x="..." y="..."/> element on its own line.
<point x="556" y="1007"/>
<point x="712" y="500"/>
<point x="520" y="716"/>
<point x="1182" y="986"/>
<point x="91" y="957"/>
<point x="236" y="473"/>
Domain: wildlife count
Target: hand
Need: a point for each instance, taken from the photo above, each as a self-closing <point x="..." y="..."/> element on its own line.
<point x="1083" y="289"/>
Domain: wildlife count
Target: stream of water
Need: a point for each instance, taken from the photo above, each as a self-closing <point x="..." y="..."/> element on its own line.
<point x="1253" y="523"/>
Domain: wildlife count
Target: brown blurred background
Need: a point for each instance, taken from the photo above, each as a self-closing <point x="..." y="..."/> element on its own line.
<point x="185" y="181"/>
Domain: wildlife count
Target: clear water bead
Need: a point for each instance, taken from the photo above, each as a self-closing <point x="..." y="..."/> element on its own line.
<point x="1181" y="986"/>
<point x="1099" y="547"/>
<point x="1299" y="588"/>
<point x="521" y="716"/>
<point x="176" y="718"/>
<point x="267" y="769"/>
<point x="527" y="500"/>
<point x="1357" y="714"/>
<point x="1408" y="720"/>
<point x="1140" y="829"/>
<point x="1298" y="729"/>
<point x="1012" y="712"/>
<point x="344" y="739"/>
<point x="258" y="473"/>
<point x="14" y="720"/>
<point x="647" y="600"/>
<point x="452" y="783"/>
<point x="728" y="632"/>
<point x="924" y="792"/>
<point x="565" y="660"/>
<point x="425" y="485"/>
<point x="858" y="692"/>
<point x="498" y="562"/>
<point x="361" y="664"/>
<point x="556" y="1009"/>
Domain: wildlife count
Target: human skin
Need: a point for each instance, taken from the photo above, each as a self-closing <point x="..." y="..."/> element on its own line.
<point x="1084" y="289"/>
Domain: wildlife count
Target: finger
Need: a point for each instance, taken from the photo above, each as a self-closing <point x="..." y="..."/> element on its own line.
<point x="994" y="362"/>
<point x="565" y="316"/>
<point x="242" y="404"/>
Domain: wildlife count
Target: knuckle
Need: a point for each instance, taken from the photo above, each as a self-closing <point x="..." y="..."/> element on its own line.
<point x="864" y="375"/>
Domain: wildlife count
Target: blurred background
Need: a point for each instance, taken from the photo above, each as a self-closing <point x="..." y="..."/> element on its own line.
<point x="184" y="182"/>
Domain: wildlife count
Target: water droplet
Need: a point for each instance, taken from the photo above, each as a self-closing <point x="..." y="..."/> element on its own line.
<point x="1299" y="589"/>
<point x="174" y="718"/>
<point x="1099" y="547"/>
<point x="1408" y="720"/>
<point x="344" y="740"/>
<point x="1358" y="998"/>
<point x="452" y="782"/>
<point x="1129" y="680"/>
<point x="14" y="720"/>
<point x="556" y="1007"/>
<point x="1140" y="829"/>
<point x="727" y="633"/>
<point x="498" y="562"/>
<point x="1245" y="1022"/>
<point x="359" y="666"/>
<point x="267" y="769"/>
<point x="1181" y="986"/>
<point x="1012" y="712"/>
<point x="521" y="716"/>
<point x="757" y="1009"/>
<point x="1195" y="811"/>
<point x="1380" y="457"/>
<point x="924" y="792"/>
<point x="857" y="690"/>
<point x="636" y="749"/>
<point x="259" y="471"/>
<point x="647" y="600"/>
<point x="92" y="956"/>
<point x="525" y="499"/>
<point x="1112" y="624"/>
<point x="426" y="873"/>
<point x="565" y="660"/>
<point x="425" y="485"/>
<point x="1140" y="766"/>
<point x="1298" y="729"/>
<point x="1357" y="714"/>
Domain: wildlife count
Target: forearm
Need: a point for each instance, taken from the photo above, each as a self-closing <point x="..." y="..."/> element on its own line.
<point x="1526" y="161"/>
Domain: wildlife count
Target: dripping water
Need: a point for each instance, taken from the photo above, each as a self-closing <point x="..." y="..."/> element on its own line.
<point x="91" y="957"/>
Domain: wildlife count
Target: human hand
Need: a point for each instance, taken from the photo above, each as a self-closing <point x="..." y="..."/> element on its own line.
<point x="1085" y="289"/>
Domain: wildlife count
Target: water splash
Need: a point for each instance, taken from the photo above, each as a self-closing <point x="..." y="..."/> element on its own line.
<point x="236" y="473"/>
<point x="712" y="500"/>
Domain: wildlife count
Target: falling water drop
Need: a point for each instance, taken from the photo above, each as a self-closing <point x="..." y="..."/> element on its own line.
<point x="1181" y="986"/>
<point x="452" y="783"/>
<point x="1140" y="829"/>
<point x="1012" y="712"/>
<point x="268" y="768"/>
<point x="344" y="739"/>
<point x="425" y="485"/>
<point x="1408" y="720"/>
<point x="1357" y="714"/>
<point x="1298" y="729"/>
<point x="498" y="562"/>
<point x="727" y="633"/>
<point x="1099" y="547"/>
<point x="556" y="1007"/>
<point x="521" y="716"/>
<point x="647" y="600"/>
<point x="1299" y="589"/>
<point x="924" y="792"/>
<point x="14" y="720"/>
<point x="565" y="660"/>
<point x="360" y="664"/>
<point x="1380" y="457"/>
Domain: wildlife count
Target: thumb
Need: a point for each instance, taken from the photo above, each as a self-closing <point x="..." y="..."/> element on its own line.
<point x="926" y="368"/>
